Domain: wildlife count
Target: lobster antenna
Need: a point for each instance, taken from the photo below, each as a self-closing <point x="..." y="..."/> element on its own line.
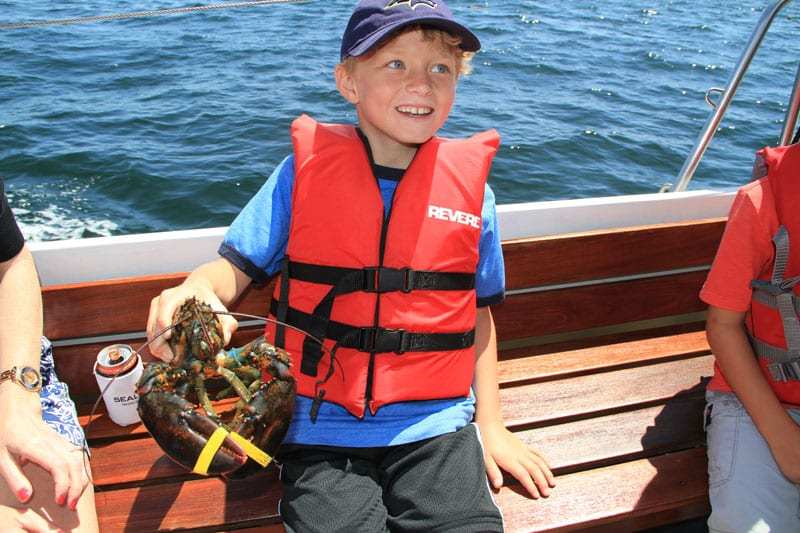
<point x="274" y="321"/>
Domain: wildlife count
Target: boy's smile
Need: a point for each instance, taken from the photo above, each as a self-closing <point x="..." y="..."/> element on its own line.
<point x="403" y="94"/>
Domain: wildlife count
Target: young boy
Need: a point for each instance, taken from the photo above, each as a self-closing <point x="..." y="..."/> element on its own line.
<point x="387" y="244"/>
<point x="753" y="412"/>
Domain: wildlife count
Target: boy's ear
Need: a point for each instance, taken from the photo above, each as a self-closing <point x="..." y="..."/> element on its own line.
<point x="346" y="84"/>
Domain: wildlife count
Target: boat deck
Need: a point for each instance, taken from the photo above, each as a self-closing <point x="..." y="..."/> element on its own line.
<point x="603" y="368"/>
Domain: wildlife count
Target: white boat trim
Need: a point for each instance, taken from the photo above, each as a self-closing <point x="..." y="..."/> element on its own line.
<point x="103" y="258"/>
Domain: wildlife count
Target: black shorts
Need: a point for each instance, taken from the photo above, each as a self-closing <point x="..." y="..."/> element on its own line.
<point x="433" y="485"/>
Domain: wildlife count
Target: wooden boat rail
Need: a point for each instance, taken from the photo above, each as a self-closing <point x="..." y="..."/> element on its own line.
<point x="603" y="369"/>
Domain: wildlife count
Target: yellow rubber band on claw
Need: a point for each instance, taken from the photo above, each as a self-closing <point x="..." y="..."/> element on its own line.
<point x="209" y="451"/>
<point x="253" y="452"/>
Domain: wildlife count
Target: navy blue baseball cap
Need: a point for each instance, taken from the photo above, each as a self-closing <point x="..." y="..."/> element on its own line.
<point x="373" y="20"/>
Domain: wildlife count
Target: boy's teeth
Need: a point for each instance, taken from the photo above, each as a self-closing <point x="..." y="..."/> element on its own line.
<point x="415" y="110"/>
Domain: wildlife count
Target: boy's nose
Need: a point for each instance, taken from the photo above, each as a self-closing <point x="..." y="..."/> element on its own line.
<point x="419" y="84"/>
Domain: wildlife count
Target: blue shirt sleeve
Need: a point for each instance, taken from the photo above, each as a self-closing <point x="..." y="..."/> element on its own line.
<point x="490" y="280"/>
<point x="256" y="241"/>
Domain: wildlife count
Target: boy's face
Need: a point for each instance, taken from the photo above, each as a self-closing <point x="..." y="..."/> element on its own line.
<point x="403" y="94"/>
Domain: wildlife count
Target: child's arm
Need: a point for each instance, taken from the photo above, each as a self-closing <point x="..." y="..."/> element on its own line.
<point x="218" y="283"/>
<point x="501" y="448"/>
<point x="728" y="340"/>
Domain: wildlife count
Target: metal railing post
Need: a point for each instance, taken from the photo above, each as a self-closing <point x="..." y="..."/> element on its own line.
<point x="710" y="129"/>
<point x="791" y="113"/>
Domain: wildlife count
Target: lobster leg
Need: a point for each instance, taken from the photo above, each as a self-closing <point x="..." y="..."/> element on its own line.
<point x="202" y="396"/>
<point x="176" y="425"/>
<point x="266" y="419"/>
<point x="236" y="383"/>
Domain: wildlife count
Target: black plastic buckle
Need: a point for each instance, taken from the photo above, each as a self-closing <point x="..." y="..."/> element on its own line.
<point x="371" y="279"/>
<point x="408" y="280"/>
<point x="383" y="340"/>
<point x="382" y="279"/>
<point x="366" y="339"/>
<point x="394" y="340"/>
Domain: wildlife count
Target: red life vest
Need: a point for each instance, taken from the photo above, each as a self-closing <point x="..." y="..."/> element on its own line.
<point x="774" y="321"/>
<point x="396" y="296"/>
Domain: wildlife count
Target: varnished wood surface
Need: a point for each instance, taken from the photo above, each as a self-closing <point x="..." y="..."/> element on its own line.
<point x="596" y="394"/>
<point x="598" y="441"/>
<point x="618" y="417"/>
<point x="618" y="496"/>
<point x="569" y="363"/>
<point x="121" y="306"/>
<point x="198" y="503"/>
<point x="560" y="311"/>
<point x="519" y="316"/>
<point x="611" y="253"/>
<point x="636" y="428"/>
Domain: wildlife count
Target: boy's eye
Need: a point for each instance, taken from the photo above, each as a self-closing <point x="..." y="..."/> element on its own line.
<point x="395" y="64"/>
<point x="440" y="69"/>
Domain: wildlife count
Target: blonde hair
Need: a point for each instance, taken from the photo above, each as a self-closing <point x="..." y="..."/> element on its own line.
<point x="448" y="41"/>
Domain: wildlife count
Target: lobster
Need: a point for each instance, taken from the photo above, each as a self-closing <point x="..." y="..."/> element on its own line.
<point x="175" y="408"/>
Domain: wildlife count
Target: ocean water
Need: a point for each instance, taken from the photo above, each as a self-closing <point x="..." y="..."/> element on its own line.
<point x="174" y="122"/>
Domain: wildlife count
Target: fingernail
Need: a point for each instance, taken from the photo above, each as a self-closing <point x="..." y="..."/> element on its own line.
<point x="23" y="495"/>
<point x="74" y="504"/>
<point x="61" y="499"/>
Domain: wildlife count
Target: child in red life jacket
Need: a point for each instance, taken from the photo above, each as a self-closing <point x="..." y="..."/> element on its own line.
<point x="753" y="412"/>
<point x="385" y="238"/>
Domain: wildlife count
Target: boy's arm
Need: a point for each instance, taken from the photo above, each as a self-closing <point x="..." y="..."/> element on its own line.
<point x="501" y="448"/>
<point x="218" y="283"/>
<point x="728" y="340"/>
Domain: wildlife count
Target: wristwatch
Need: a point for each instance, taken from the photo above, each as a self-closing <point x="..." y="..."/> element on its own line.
<point x="26" y="377"/>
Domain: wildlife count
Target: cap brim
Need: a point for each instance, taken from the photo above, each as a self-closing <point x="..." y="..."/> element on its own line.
<point x="469" y="42"/>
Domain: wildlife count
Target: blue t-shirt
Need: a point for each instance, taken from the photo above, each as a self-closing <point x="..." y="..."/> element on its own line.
<point x="256" y="244"/>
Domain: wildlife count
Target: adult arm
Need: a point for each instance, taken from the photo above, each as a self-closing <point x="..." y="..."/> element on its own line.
<point x="726" y="335"/>
<point x="501" y="448"/>
<point x="24" y="436"/>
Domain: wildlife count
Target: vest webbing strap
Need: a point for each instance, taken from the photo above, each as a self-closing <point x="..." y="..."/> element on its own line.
<point x="381" y="279"/>
<point x="370" y="279"/>
<point x="377" y="340"/>
<point x="763" y="294"/>
<point x="283" y="305"/>
<point x="783" y="364"/>
<point x="778" y="293"/>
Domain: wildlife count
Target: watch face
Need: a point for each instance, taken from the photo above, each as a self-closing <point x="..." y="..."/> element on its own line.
<point x="29" y="378"/>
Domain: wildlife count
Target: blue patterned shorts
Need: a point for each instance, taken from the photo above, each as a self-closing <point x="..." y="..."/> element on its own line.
<point x="58" y="411"/>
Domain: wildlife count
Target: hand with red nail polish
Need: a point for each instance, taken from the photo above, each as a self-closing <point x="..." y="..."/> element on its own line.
<point x="24" y="436"/>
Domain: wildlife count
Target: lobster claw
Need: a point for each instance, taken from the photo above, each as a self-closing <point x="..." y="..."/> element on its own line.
<point x="268" y="415"/>
<point x="183" y="433"/>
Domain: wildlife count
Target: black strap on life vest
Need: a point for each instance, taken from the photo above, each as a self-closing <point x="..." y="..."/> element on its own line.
<point x="380" y="279"/>
<point x="283" y="305"/>
<point x="373" y="339"/>
<point x="369" y="279"/>
<point x="378" y="340"/>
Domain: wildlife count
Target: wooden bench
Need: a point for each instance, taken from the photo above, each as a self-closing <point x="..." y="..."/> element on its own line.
<point x="603" y="368"/>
